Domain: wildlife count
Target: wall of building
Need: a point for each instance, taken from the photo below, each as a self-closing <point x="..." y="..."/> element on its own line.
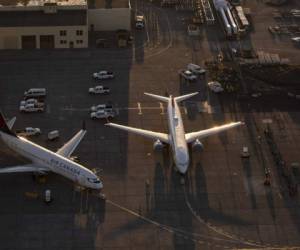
<point x="109" y="19"/>
<point x="11" y="38"/>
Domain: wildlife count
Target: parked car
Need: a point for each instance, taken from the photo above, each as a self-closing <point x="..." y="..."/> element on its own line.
<point x="29" y="131"/>
<point x="139" y="22"/>
<point x="215" y="86"/>
<point x="35" y="92"/>
<point x="106" y="107"/>
<point x="33" y="101"/>
<point x="103" y="74"/>
<point x="196" y="69"/>
<point x="48" y="197"/>
<point x="31" y="108"/>
<point x="100" y="114"/>
<point x="52" y="135"/>
<point x="188" y="75"/>
<point x="99" y="90"/>
<point x="296" y="39"/>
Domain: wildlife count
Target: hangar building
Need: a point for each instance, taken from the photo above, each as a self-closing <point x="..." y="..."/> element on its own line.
<point x="48" y="24"/>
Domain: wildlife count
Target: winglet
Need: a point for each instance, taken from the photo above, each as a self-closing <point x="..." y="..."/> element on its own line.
<point x="11" y="122"/>
<point x="3" y="126"/>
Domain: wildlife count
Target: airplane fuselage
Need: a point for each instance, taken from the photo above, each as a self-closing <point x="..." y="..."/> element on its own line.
<point x="47" y="159"/>
<point x="177" y="137"/>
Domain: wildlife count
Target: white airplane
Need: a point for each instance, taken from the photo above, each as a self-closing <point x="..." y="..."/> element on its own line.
<point x="177" y="137"/>
<point x="44" y="160"/>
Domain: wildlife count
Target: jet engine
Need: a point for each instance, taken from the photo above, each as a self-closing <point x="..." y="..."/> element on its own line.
<point x="158" y="145"/>
<point x="197" y="146"/>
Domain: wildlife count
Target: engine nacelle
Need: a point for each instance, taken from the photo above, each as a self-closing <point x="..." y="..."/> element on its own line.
<point x="158" y="145"/>
<point x="197" y="146"/>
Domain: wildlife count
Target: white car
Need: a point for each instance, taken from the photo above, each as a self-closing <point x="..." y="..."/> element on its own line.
<point x="188" y="75"/>
<point x="31" y="101"/>
<point x="106" y="107"/>
<point x="99" y="90"/>
<point x="296" y="39"/>
<point x="100" y="114"/>
<point x="139" y="22"/>
<point x="196" y="69"/>
<point x="103" y="75"/>
<point x="215" y="86"/>
<point x="31" y="108"/>
<point x="29" y="131"/>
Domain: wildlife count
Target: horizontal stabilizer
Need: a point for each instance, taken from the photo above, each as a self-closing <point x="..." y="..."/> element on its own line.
<point x="184" y="97"/>
<point x="23" y="169"/>
<point x="146" y="133"/>
<point x="158" y="97"/>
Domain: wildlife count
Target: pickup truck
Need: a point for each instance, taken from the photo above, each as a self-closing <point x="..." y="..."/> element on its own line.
<point x="188" y="75"/>
<point x="29" y="131"/>
<point x="31" y="108"/>
<point x="105" y="107"/>
<point x="99" y="90"/>
<point x="33" y="101"/>
<point x="103" y="74"/>
<point x="196" y="69"/>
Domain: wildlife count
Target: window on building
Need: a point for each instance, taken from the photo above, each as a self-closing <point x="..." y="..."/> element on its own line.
<point x="63" y="41"/>
<point x="63" y="33"/>
<point x="79" y="41"/>
<point x="79" y="32"/>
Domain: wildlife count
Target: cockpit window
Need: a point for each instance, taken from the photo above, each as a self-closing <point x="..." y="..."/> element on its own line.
<point x="93" y="180"/>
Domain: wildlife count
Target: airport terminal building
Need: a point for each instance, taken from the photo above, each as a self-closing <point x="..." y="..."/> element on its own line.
<point x="44" y="24"/>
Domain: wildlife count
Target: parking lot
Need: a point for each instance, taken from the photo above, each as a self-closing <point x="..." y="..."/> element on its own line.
<point x="223" y="203"/>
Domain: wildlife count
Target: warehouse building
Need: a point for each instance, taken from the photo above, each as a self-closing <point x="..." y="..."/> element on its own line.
<point x="44" y="25"/>
<point x="109" y="15"/>
<point x="48" y="24"/>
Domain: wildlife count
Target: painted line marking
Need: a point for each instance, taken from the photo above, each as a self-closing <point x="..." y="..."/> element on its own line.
<point x="185" y="110"/>
<point x="48" y="110"/>
<point x="139" y="108"/>
<point x="161" y="106"/>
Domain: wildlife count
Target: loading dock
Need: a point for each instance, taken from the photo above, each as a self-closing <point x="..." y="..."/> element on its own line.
<point x="28" y="42"/>
<point x="47" y="42"/>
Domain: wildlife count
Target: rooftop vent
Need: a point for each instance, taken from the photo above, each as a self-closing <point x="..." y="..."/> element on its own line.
<point x="50" y="7"/>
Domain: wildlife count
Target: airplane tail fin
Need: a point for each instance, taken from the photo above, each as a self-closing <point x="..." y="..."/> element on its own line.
<point x="4" y="127"/>
<point x="184" y="97"/>
<point x="159" y="97"/>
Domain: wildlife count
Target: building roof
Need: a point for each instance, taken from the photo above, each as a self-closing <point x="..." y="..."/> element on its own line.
<point x="41" y="2"/>
<point x="39" y="18"/>
<point x="108" y="4"/>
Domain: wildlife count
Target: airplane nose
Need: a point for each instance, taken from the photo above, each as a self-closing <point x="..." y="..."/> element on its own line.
<point x="183" y="168"/>
<point x="99" y="185"/>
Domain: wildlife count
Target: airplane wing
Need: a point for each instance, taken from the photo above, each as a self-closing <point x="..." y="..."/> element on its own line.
<point x="72" y="144"/>
<point x="23" y="168"/>
<point x="147" y="133"/>
<point x="211" y="131"/>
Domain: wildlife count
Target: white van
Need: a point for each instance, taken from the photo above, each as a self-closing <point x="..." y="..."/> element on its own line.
<point x="53" y="135"/>
<point x="35" y="92"/>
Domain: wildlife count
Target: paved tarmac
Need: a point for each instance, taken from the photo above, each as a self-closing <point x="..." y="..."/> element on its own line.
<point x="223" y="203"/>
